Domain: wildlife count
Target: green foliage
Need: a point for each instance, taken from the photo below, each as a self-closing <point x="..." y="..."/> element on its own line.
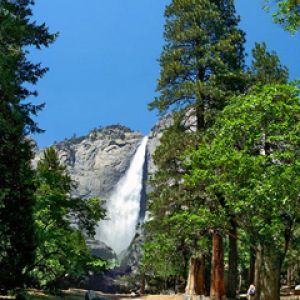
<point x="266" y="67"/>
<point x="251" y="157"/>
<point x="165" y="205"/>
<point x="60" y="221"/>
<point x="201" y="68"/>
<point x="17" y="33"/>
<point x="287" y="14"/>
<point x="159" y="257"/>
<point x="292" y="261"/>
<point x="202" y="60"/>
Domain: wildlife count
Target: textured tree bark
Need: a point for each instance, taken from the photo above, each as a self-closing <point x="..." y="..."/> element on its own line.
<point x="290" y="275"/>
<point x="270" y="288"/>
<point x="217" y="288"/>
<point x="142" y="289"/>
<point x="200" y="276"/>
<point x="232" y="282"/>
<point x="190" y="287"/>
<point x="251" y="278"/>
<point x="207" y="275"/>
<point x="267" y="274"/>
<point x="258" y="271"/>
<point x="196" y="277"/>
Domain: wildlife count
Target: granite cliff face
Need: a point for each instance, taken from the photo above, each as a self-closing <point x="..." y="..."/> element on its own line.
<point x="153" y="142"/>
<point x="98" y="160"/>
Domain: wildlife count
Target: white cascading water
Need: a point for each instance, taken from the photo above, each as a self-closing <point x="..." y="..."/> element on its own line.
<point x="123" y="206"/>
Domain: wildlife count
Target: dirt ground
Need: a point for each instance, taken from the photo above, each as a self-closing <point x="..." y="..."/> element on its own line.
<point x="79" y="295"/>
<point x="155" y="297"/>
<point x="181" y="297"/>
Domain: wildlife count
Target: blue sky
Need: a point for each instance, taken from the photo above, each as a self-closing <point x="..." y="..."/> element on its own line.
<point x="103" y="66"/>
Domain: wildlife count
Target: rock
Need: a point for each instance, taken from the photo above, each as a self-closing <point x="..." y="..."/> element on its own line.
<point x="297" y="290"/>
<point x="130" y="258"/>
<point x="91" y="295"/>
<point x="98" y="160"/>
<point x="101" y="250"/>
<point x="194" y="297"/>
<point x="154" y="140"/>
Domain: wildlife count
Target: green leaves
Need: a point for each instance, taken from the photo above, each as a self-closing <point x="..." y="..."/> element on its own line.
<point x="266" y="67"/>
<point x="201" y="68"/>
<point x="18" y="32"/>
<point x="251" y="157"/>
<point x="287" y="14"/>
<point x="202" y="58"/>
<point x="61" y="246"/>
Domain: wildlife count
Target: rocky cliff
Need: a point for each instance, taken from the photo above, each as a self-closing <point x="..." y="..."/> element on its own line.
<point x="98" y="160"/>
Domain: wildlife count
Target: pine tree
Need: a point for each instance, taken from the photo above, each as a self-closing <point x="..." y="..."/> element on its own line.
<point x="201" y="67"/>
<point x="266" y="67"/>
<point x="203" y="58"/>
<point x="166" y="200"/>
<point x="17" y="33"/>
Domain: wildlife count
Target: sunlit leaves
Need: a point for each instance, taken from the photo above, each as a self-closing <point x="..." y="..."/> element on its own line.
<point x="61" y="221"/>
<point x="287" y="14"/>
<point x="251" y="157"/>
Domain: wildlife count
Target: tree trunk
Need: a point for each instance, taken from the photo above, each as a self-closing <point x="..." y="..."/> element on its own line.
<point x="142" y="289"/>
<point x="258" y="270"/>
<point x="196" y="277"/>
<point x="290" y="275"/>
<point x="232" y="283"/>
<point x="207" y="275"/>
<point x="217" y="288"/>
<point x="200" y="116"/>
<point x="267" y="274"/>
<point x="251" y="275"/>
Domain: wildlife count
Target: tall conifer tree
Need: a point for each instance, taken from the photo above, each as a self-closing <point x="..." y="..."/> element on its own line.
<point x="203" y="58"/>
<point x="17" y="33"/>
<point x="266" y="67"/>
<point x="201" y="67"/>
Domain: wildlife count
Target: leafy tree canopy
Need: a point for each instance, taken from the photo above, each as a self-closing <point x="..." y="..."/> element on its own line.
<point x="18" y="32"/>
<point x="202" y="60"/>
<point x="251" y="157"/>
<point x="287" y="14"/>
<point x="266" y="67"/>
<point x="61" y="221"/>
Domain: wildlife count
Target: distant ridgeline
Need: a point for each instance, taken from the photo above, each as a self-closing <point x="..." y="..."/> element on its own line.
<point x="114" y="131"/>
<point x="99" y="159"/>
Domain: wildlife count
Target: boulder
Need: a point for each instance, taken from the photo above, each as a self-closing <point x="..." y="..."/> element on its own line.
<point x="91" y="295"/>
<point x="297" y="290"/>
<point x="101" y="250"/>
<point x="130" y="257"/>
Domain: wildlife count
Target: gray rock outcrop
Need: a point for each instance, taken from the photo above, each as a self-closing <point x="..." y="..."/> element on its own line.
<point x="154" y="140"/>
<point x="98" y="160"/>
<point x="101" y="250"/>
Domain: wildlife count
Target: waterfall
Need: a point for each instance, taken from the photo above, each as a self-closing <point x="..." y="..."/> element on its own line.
<point x="123" y="206"/>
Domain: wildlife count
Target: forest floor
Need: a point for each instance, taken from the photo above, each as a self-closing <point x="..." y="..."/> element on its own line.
<point x="79" y="295"/>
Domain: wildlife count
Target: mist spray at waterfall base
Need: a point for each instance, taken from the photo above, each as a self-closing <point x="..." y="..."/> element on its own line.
<point x="123" y="207"/>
